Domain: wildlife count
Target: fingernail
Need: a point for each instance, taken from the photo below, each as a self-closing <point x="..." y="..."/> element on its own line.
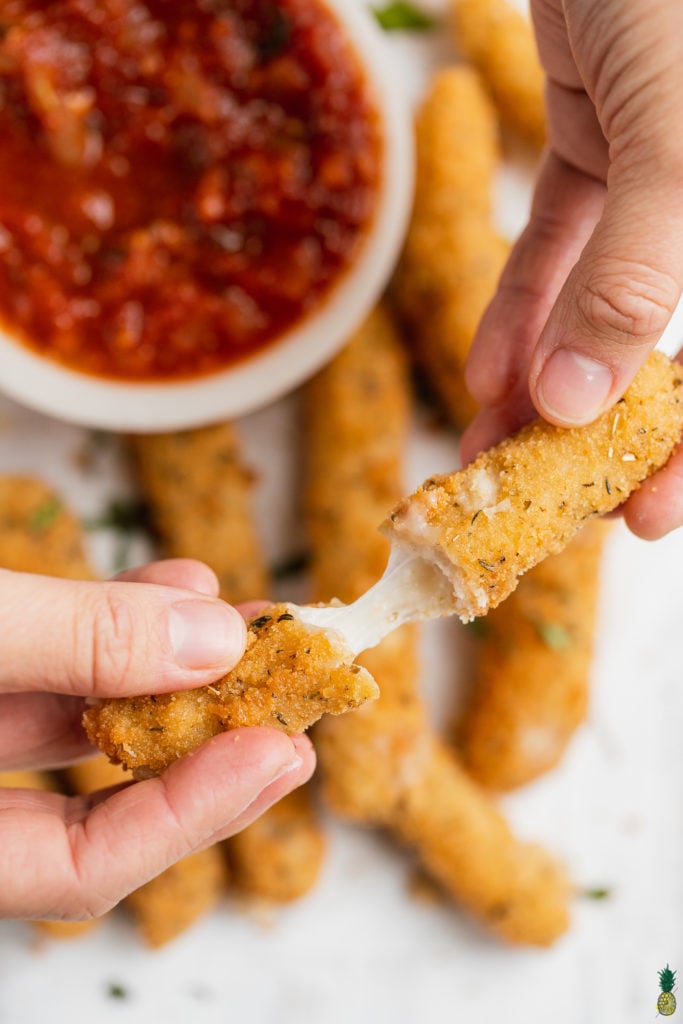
<point x="206" y="633"/>
<point x="573" y="388"/>
<point x="291" y="767"/>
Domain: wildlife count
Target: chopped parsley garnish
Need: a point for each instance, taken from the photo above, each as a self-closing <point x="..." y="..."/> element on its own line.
<point x="554" y="635"/>
<point x="45" y="515"/>
<point x="596" y="894"/>
<point x="401" y="16"/>
<point x="116" y="991"/>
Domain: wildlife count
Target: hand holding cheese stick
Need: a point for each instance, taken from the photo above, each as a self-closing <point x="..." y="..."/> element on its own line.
<point x="596" y="275"/>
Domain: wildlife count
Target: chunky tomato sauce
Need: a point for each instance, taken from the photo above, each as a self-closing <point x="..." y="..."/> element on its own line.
<point x="180" y="180"/>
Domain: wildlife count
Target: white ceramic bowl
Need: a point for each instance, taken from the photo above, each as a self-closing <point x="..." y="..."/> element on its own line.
<point x="58" y="391"/>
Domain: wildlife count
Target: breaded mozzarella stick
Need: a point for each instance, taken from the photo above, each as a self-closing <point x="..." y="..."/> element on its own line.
<point x="485" y="526"/>
<point x="384" y="765"/>
<point x="531" y="680"/>
<point x="452" y="256"/>
<point x="500" y="42"/>
<point x="199" y="492"/>
<point x="289" y="676"/>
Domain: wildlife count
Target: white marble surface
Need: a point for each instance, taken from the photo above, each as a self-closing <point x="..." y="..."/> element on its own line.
<point x="361" y="949"/>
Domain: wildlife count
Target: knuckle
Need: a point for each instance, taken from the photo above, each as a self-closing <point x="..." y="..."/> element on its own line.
<point x="112" y="643"/>
<point x="632" y="305"/>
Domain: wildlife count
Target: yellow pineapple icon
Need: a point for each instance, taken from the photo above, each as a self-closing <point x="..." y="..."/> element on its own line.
<point x="666" y="1004"/>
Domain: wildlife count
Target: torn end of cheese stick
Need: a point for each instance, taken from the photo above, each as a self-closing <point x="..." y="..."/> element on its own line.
<point x="531" y="681"/>
<point x="38" y="533"/>
<point x="199" y="490"/>
<point x="516" y="889"/>
<point x="279" y="856"/>
<point x="485" y="526"/>
<point x="499" y="40"/>
<point x="289" y="676"/>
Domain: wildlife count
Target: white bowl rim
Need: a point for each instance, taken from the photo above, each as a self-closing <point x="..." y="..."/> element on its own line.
<point x="101" y="403"/>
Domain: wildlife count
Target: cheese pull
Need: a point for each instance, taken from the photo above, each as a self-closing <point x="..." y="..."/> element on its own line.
<point x="462" y="540"/>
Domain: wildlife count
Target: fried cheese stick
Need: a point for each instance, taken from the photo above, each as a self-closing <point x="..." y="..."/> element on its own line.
<point x="485" y="526"/>
<point x="500" y="43"/>
<point x="384" y="765"/>
<point x="289" y="676"/>
<point x="452" y="256"/>
<point x="199" y="491"/>
<point x="38" y="533"/>
<point x="531" y="681"/>
<point x="169" y="904"/>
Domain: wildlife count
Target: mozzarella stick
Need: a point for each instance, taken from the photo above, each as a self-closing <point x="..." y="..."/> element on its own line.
<point x="531" y="681"/>
<point x="169" y="904"/>
<point x="199" y="492"/>
<point x="384" y="765"/>
<point x="452" y="256"/>
<point x="38" y="533"/>
<point x="500" y="43"/>
<point x="289" y="676"/>
<point x="485" y="526"/>
<point x="279" y="857"/>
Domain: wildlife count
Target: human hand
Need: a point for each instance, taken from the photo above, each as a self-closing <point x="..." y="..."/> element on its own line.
<point x="152" y="630"/>
<point x="595" y="277"/>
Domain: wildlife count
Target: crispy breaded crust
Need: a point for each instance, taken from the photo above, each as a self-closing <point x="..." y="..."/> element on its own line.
<point x="38" y="533"/>
<point x="526" y="498"/>
<point x="289" y="676"/>
<point x="169" y="904"/>
<point x="384" y="765"/>
<point x="199" y="491"/>
<point x="531" y="681"/>
<point x="279" y="856"/>
<point x="500" y="42"/>
<point x="452" y="256"/>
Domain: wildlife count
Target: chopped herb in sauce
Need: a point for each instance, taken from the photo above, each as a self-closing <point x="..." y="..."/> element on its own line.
<point x="596" y="894"/>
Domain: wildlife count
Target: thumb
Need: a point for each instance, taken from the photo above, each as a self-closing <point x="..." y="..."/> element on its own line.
<point x="612" y="310"/>
<point x="112" y="639"/>
<point x="620" y="295"/>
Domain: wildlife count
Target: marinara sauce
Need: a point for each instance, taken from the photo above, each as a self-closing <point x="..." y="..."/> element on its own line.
<point x="180" y="180"/>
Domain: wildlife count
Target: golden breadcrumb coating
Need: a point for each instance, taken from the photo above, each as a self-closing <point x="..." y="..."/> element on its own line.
<point x="452" y="256"/>
<point x="531" y="681"/>
<point x="279" y="856"/>
<point x="500" y="42"/>
<point x="384" y="765"/>
<point x="199" y="492"/>
<point x="526" y="498"/>
<point x="289" y="676"/>
<point x="38" y="533"/>
<point x="169" y="904"/>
